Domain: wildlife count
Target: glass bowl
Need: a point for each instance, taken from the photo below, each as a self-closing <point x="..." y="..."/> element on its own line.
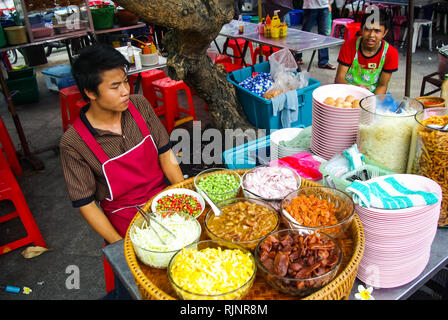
<point x="179" y="192"/>
<point x="148" y="247"/>
<point x="237" y="293"/>
<point x="344" y="209"/>
<point x="296" y="278"/>
<point x="233" y="226"/>
<point x="218" y="189"/>
<point x="251" y="193"/>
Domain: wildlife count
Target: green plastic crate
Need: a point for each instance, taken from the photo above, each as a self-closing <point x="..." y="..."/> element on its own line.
<point x="24" y="81"/>
<point x="342" y="183"/>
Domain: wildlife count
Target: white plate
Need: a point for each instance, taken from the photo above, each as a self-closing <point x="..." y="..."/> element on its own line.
<point x="178" y="191"/>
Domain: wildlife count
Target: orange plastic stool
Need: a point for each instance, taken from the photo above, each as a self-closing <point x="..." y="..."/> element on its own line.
<point x="352" y="30"/>
<point x="10" y="190"/>
<point x="231" y="66"/>
<point x="7" y="147"/>
<point x="166" y="91"/>
<point x="147" y="78"/>
<point x="68" y="97"/>
<point x="266" y="53"/>
<point x="109" y="276"/>
<point x="234" y="44"/>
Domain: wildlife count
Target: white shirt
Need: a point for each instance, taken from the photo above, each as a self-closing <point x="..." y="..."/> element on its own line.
<point x="315" y="4"/>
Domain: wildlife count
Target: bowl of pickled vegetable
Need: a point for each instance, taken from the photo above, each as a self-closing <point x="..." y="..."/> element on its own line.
<point x="212" y="270"/>
<point x="179" y="200"/>
<point x="244" y="221"/>
<point x="218" y="183"/>
<point x="154" y="246"/>
<point x="321" y="209"/>
<point x="298" y="262"/>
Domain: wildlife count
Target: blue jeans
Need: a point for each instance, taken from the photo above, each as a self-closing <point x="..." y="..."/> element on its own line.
<point x="321" y="16"/>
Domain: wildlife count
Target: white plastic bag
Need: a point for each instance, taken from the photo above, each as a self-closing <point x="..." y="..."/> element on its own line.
<point x="282" y="61"/>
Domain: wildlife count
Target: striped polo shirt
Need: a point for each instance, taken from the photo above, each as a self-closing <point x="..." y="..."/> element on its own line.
<point x="83" y="171"/>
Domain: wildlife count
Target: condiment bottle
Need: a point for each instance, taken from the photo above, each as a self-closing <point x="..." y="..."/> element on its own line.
<point x="444" y="90"/>
<point x="130" y="52"/>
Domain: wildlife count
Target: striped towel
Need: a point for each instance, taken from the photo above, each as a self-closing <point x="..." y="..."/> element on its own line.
<point x="388" y="193"/>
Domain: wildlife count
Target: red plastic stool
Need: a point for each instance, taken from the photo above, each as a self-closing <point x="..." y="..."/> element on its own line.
<point x="231" y="66"/>
<point x="109" y="276"/>
<point x="352" y="30"/>
<point x="266" y="53"/>
<point x="166" y="91"/>
<point x="68" y="97"/>
<point x="234" y="44"/>
<point x="7" y="147"/>
<point x="147" y="78"/>
<point x="221" y="58"/>
<point x="10" y="190"/>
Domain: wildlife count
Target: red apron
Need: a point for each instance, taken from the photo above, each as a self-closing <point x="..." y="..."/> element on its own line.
<point x="132" y="178"/>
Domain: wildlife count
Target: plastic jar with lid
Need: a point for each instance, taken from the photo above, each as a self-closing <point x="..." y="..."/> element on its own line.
<point x="428" y="154"/>
<point x="385" y="129"/>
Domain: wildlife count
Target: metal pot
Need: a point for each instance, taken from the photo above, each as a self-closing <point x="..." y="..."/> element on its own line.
<point x="443" y="61"/>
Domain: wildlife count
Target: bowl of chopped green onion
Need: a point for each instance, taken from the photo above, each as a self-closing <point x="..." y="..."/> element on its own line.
<point x="179" y="200"/>
<point x="218" y="183"/>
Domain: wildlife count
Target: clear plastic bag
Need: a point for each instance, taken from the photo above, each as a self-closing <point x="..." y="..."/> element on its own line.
<point x="283" y="68"/>
<point x="282" y="61"/>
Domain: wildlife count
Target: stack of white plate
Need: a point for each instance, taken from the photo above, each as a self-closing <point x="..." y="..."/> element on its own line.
<point x="278" y="151"/>
<point x="334" y="129"/>
<point x="398" y="242"/>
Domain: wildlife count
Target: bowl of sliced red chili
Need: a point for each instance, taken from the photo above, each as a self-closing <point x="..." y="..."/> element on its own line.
<point x="179" y="200"/>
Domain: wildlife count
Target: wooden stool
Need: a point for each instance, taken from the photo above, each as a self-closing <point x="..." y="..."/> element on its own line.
<point x="7" y="147"/>
<point x="166" y="91"/>
<point x="10" y="190"/>
<point x="435" y="79"/>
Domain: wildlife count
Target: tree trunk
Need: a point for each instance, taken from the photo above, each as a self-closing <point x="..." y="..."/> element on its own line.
<point x="194" y="25"/>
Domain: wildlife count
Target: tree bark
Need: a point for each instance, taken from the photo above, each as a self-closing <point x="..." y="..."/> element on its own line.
<point x="194" y="25"/>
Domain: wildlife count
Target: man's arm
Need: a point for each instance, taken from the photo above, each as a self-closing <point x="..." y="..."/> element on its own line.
<point x="99" y="222"/>
<point x="170" y="167"/>
<point x="340" y="74"/>
<point x="381" y="88"/>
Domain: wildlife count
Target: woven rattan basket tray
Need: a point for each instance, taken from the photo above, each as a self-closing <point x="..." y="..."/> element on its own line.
<point x="153" y="284"/>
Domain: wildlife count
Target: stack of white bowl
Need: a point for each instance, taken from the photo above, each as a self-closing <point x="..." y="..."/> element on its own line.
<point x="334" y="129"/>
<point x="277" y="150"/>
<point x="398" y="242"/>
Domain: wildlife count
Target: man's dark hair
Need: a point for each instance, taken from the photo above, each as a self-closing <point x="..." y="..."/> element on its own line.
<point x="384" y="19"/>
<point x="92" y="61"/>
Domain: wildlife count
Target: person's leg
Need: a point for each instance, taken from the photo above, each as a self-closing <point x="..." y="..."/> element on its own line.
<point x="309" y="16"/>
<point x="323" y="23"/>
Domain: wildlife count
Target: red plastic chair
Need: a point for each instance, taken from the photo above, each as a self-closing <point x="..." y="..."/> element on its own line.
<point x="109" y="276"/>
<point x="266" y="53"/>
<point x="7" y="147"/>
<point x="147" y="77"/>
<point x="352" y="30"/>
<point x="234" y="44"/>
<point x="68" y="98"/>
<point x="10" y="190"/>
<point x="166" y="91"/>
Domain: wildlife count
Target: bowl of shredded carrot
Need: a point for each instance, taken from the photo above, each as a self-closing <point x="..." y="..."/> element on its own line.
<point x="320" y="209"/>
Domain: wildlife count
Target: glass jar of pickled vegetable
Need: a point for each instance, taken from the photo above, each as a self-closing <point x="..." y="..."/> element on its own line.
<point x="385" y="129"/>
<point x="429" y="152"/>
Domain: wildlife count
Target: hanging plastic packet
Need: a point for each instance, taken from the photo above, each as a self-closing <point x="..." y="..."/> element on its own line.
<point x="354" y="157"/>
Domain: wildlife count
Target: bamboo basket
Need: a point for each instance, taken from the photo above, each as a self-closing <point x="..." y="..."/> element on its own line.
<point x="153" y="284"/>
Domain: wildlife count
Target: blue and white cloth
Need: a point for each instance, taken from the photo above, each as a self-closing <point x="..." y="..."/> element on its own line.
<point x="288" y="105"/>
<point x="388" y="193"/>
<point x="258" y="84"/>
